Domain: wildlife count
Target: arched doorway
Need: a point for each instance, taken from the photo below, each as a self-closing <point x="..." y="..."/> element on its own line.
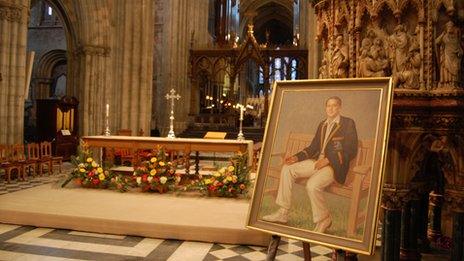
<point x="51" y="40"/>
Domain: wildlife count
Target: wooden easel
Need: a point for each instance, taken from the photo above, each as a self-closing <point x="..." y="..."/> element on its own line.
<point x="339" y="255"/>
<point x="274" y="245"/>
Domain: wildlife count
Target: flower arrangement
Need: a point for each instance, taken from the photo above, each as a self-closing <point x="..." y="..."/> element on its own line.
<point x="230" y="181"/>
<point x="88" y="173"/>
<point x="156" y="173"/>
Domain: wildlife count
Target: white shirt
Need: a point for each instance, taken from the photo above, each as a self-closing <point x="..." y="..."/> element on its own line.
<point x="329" y="126"/>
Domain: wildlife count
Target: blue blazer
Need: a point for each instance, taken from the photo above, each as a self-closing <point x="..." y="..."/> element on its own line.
<point x="341" y="148"/>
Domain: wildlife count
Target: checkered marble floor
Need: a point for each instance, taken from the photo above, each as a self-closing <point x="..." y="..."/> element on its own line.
<point x="32" y="243"/>
<point x="16" y="185"/>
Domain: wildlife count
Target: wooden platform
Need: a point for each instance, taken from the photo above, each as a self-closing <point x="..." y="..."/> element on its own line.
<point x="186" y="217"/>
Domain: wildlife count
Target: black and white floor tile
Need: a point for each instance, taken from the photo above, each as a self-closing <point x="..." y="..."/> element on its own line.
<point x="16" y="185"/>
<point x="32" y="243"/>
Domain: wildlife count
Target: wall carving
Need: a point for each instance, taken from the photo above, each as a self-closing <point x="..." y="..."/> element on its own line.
<point x="418" y="43"/>
<point x="10" y="13"/>
<point x="93" y="50"/>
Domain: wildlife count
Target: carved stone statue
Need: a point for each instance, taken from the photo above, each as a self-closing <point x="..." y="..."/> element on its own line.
<point x="323" y="69"/>
<point x="339" y="62"/>
<point x="373" y="61"/>
<point x="412" y="73"/>
<point x="399" y="43"/>
<point x="449" y="56"/>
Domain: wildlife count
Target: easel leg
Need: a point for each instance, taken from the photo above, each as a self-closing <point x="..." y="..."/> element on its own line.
<point x="307" y="251"/>
<point x="341" y="255"/>
<point x="272" y="249"/>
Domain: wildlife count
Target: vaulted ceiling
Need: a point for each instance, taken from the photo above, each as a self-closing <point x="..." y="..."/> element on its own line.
<point x="274" y="16"/>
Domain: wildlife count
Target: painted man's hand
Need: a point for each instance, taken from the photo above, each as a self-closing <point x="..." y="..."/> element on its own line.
<point x="321" y="163"/>
<point x="290" y="160"/>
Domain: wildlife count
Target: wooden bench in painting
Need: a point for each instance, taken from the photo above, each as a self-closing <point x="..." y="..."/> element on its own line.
<point x="357" y="182"/>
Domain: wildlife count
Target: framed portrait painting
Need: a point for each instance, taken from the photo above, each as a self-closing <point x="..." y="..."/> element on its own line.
<point x="322" y="161"/>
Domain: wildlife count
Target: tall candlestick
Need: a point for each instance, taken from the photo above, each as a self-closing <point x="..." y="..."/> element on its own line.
<point x="241" y="112"/>
<point x="107" y="125"/>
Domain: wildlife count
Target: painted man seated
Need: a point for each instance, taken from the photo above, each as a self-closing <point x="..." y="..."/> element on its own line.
<point x="325" y="160"/>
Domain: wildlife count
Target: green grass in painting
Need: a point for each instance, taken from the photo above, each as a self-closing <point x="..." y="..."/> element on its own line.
<point x="300" y="215"/>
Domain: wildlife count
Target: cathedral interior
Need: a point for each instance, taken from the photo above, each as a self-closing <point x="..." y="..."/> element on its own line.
<point x="119" y="59"/>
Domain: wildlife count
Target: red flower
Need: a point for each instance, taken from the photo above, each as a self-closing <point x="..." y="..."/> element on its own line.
<point x="91" y="174"/>
<point x="96" y="181"/>
<point x="144" y="177"/>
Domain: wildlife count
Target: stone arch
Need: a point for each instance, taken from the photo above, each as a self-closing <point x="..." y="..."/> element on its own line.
<point x="417" y="5"/>
<point x="45" y="68"/>
<point x="87" y="28"/>
<point x="448" y="5"/>
<point x="377" y="7"/>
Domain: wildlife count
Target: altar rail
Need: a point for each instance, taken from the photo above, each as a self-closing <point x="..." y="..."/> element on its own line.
<point x="184" y="145"/>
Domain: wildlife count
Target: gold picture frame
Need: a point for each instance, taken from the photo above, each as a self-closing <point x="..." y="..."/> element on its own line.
<point x="322" y="162"/>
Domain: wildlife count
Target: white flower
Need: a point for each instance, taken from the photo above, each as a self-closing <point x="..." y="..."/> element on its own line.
<point x="139" y="180"/>
<point x="81" y="165"/>
<point x="163" y="180"/>
<point x="150" y="178"/>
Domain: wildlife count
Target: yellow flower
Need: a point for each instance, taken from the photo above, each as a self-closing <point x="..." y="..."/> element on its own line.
<point x="229" y="178"/>
<point x="153" y="160"/>
<point x="208" y="181"/>
<point x="89" y="160"/>
<point x="216" y="174"/>
<point x="163" y="180"/>
<point x="231" y="168"/>
<point x="82" y="170"/>
<point x="101" y="176"/>
<point x="100" y="170"/>
<point x="94" y="164"/>
<point x="161" y="163"/>
<point x="153" y="172"/>
<point x="222" y="170"/>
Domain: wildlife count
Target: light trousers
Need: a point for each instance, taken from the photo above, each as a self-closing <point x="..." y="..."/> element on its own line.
<point x="318" y="180"/>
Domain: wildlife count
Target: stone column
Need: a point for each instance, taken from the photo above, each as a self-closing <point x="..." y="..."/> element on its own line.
<point x="414" y="216"/>
<point x="43" y="88"/>
<point x="92" y="62"/>
<point x="435" y="205"/>
<point x="454" y="197"/>
<point x="393" y="200"/>
<point x="13" y="28"/>
<point x="181" y="19"/>
<point x="312" y="44"/>
<point x="132" y="65"/>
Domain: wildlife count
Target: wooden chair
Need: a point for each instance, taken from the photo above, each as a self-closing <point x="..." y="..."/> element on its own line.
<point x="33" y="157"/>
<point x="46" y="154"/>
<point x="34" y="153"/>
<point x="126" y="155"/>
<point x="11" y="161"/>
<point x="22" y="158"/>
<point x="357" y="183"/>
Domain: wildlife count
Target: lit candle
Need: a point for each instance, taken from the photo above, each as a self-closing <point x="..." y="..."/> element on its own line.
<point x="241" y="113"/>
<point x="107" y="110"/>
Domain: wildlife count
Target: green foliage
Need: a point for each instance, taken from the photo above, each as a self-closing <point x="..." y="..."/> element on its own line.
<point x="230" y="181"/>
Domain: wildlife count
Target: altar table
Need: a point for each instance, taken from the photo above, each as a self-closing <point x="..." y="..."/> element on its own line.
<point x="184" y="145"/>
